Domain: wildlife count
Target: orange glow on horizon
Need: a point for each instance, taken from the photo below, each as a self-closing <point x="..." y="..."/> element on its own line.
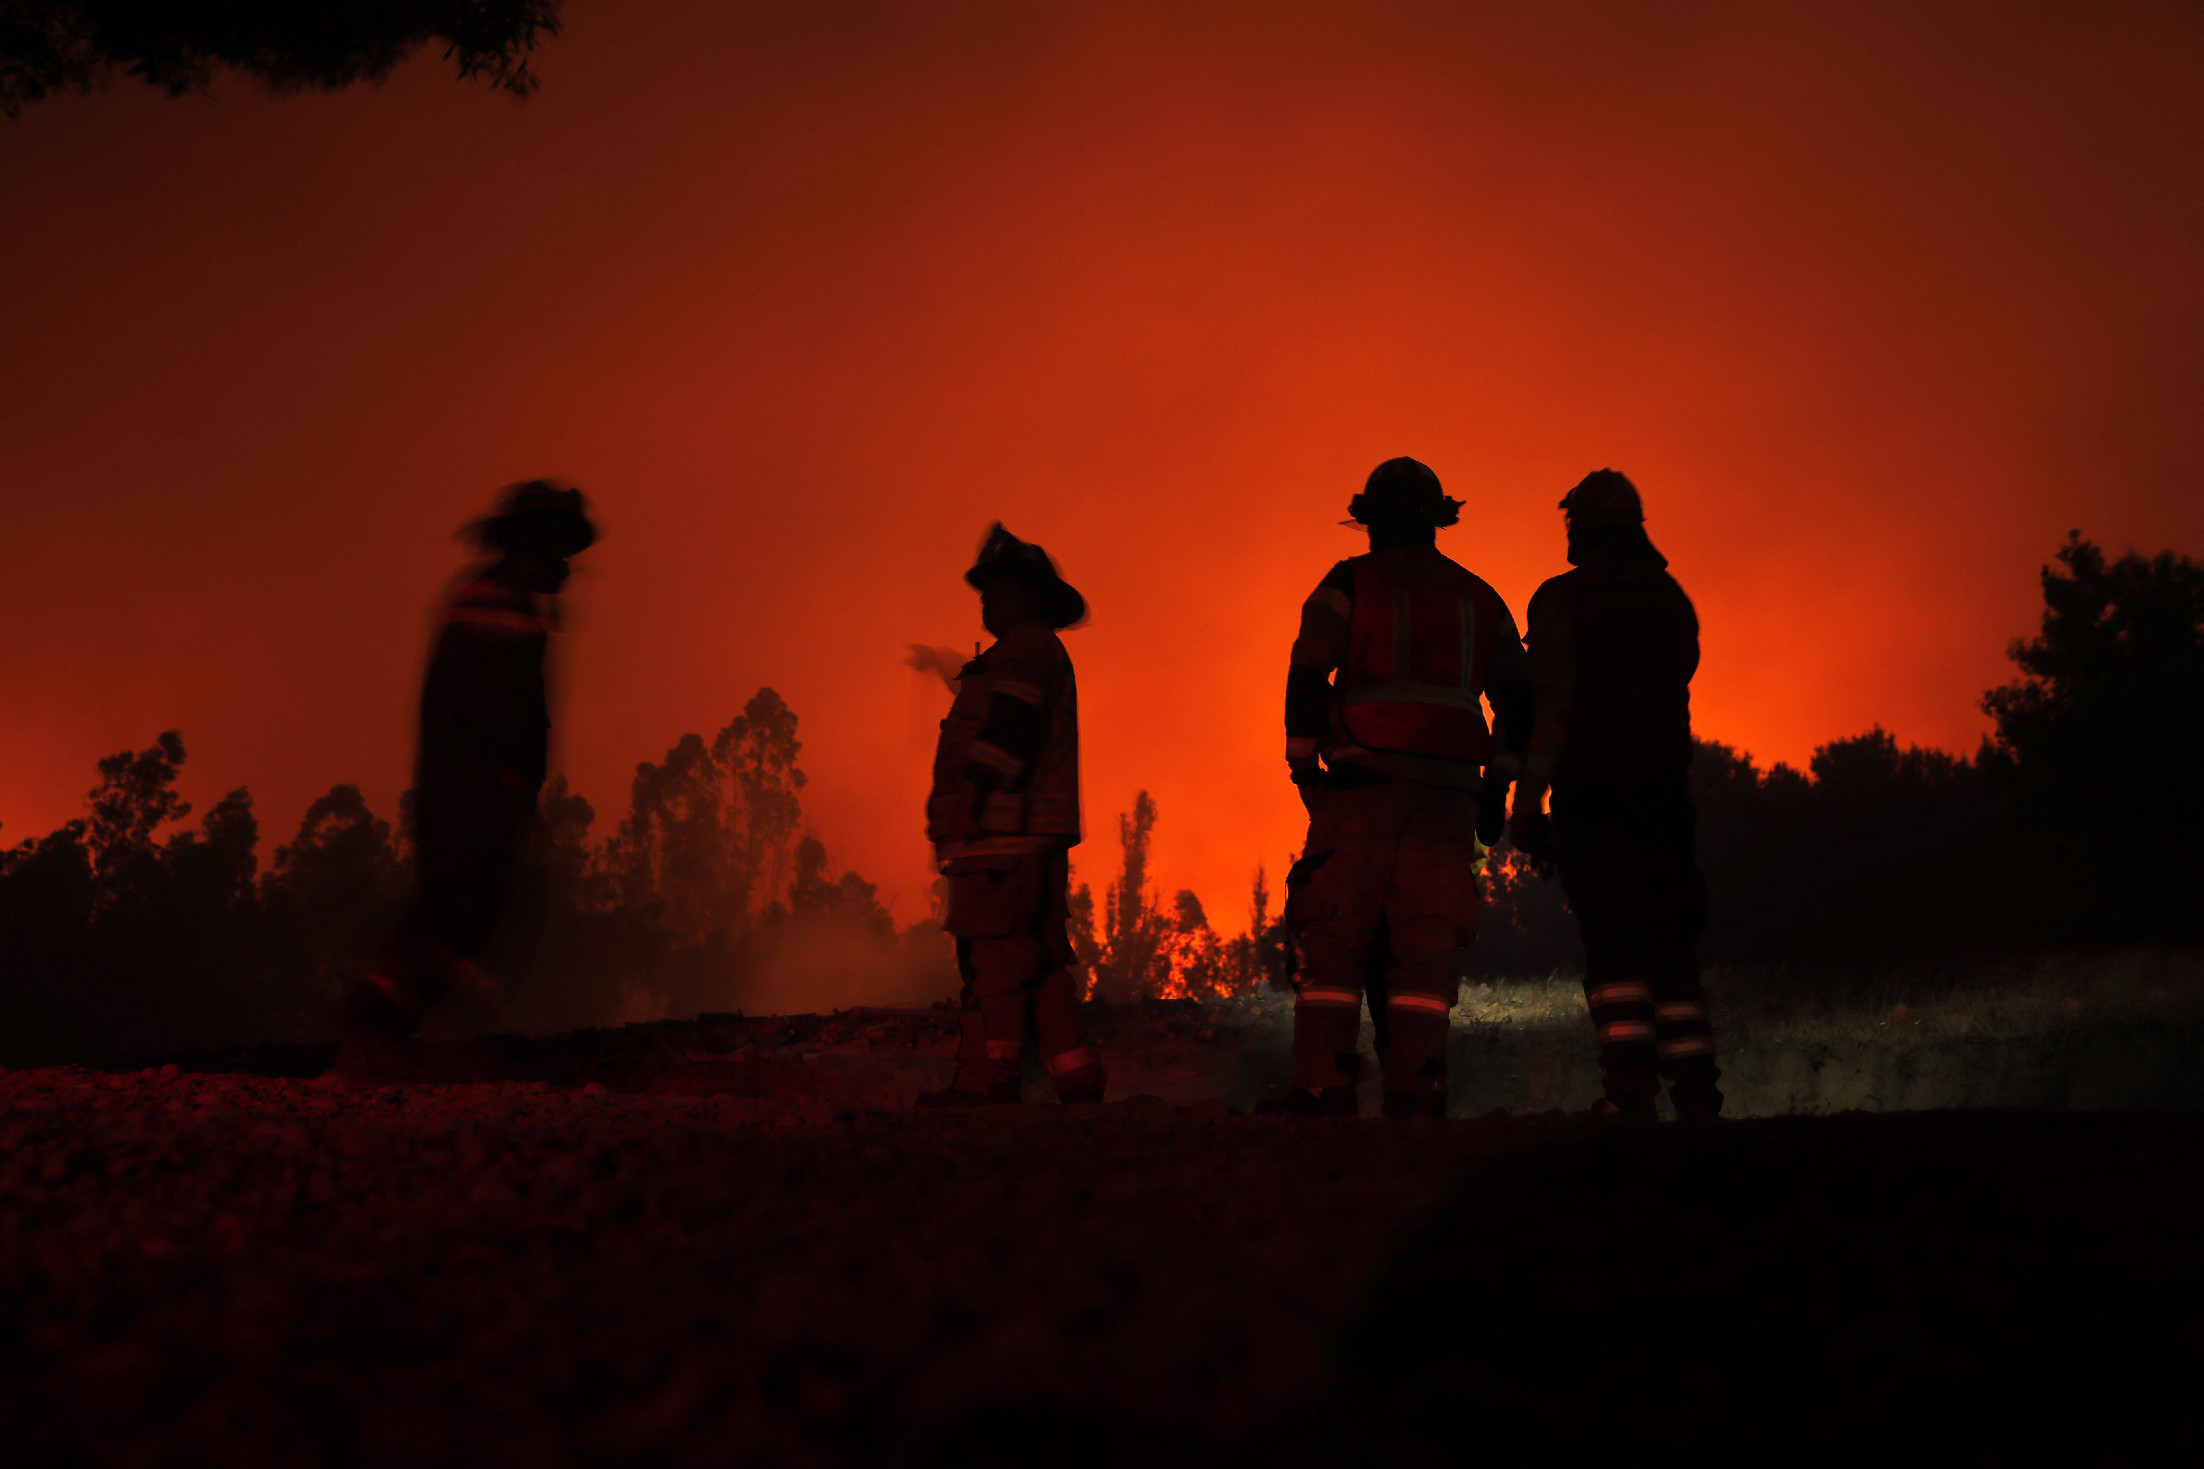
<point x="1873" y="309"/>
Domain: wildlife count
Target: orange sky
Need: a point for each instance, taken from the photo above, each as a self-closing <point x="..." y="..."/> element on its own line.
<point x="1873" y="302"/>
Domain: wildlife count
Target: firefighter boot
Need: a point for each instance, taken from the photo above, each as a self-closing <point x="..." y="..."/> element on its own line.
<point x="1693" y="1092"/>
<point x="1077" y="1075"/>
<point x="1421" y="1094"/>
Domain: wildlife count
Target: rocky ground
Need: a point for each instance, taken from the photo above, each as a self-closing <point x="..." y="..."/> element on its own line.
<point x="726" y="1242"/>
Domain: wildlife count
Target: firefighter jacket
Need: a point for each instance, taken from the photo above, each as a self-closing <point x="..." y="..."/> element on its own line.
<point x="1414" y="640"/>
<point x="484" y="705"/>
<point x="1009" y="753"/>
<point x="1613" y="646"/>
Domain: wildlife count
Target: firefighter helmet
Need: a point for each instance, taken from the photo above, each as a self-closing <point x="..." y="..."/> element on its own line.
<point x="1003" y="554"/>
<point x="537" y="515"/>
<point x="1403" y="489"/>
<point x="1604" y="497"/>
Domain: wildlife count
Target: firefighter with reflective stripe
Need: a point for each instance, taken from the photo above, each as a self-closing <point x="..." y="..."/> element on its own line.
<point x="1003" y="817"/>
<point x="485" y="734"/>
<point x="1613" y="647"/>
<point x="1386" y="739"/>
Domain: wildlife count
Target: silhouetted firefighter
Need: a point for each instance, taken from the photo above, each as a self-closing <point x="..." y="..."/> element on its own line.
<point x="1408" y="780"/>
<point x="1613" y="647"/>
<point x="485" y="735"/>
<point x="1003" y="817"/>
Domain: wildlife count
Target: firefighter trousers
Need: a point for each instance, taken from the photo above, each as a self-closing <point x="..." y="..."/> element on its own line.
<point x="1014" y="954"/>
<point x="1388" y="867"/>
<point x="1630" y="868"/>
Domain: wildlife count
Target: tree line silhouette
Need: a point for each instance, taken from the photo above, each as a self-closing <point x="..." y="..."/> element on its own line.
<point x="54" y="46"/>
<point x="2075" y="825"/>
<point x="129" y="932"/>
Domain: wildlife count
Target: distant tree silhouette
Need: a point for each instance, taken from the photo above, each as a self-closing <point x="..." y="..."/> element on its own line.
<point x="330" y="893"/>
<point x="1195" y="963"/>
<point x="1877" y="851"/>
<point x="1524" y="925"/>
<point x="710" y="831"/>
<point x="815" y="893"/>
<point x="758" y="750"/>
<point x="710" y="880"/>
<point x="1130" y="964"/>
<point x="135" y="798"/>
<point x="49" y="46"/>
<point x="1143" y="950"/>
<point x="2104" y="730"/>
<point x="1263" y="955"/>
<point x="116" y="936"/>
<point x="123" y="934"/>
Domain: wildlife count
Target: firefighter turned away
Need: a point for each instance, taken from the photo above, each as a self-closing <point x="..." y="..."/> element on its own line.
<point x="1404" y="781"/>
<point x="1613" y="646"/>
<point x="1003" y="817"/>
<point x="484" y="745"/>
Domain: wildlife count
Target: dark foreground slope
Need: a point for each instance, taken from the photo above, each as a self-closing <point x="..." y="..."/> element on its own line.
<point x="244" y="1270"/>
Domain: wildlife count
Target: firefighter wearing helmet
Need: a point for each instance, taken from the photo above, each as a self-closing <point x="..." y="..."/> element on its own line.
<point x="1387" y="740"/>
<point x="1003" y="817"/>
<point x="484" y="747"/>
<point x="1613" y="646"/>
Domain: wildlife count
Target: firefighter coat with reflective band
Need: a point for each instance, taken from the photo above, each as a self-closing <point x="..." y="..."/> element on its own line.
<point x="484" y="706"/>
<point x="1016" y="717"/>
<point x="1416" y="640"/>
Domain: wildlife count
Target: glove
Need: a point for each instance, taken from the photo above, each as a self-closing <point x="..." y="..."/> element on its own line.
<point x="1308" y="779"/>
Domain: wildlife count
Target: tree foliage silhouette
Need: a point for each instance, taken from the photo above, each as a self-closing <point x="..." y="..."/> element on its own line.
<point x="49" y="46"/>
<point x="2103" y="730"/>
<point x="1130" y="963"/>
<point x="125" y="933"/>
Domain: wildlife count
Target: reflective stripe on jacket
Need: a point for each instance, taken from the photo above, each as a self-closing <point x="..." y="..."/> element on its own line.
<point x="1426" y="637"/>
<point x="1032" y="801"/>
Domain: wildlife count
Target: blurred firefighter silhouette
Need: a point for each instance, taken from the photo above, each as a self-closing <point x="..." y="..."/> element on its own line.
<point x="1003" y="816"/>
<point x="485" y="740"/>
<point x="1401" y="776"/>
<point x="1613" y="646"/>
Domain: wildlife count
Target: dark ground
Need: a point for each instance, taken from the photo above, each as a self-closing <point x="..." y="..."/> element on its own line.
<point x="626" y="1260"/>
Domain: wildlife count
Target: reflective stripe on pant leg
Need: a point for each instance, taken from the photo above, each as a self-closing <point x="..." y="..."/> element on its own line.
<point x="1323" y="1031"/>
<point x="1623" y="1021"/>
<point x="1080" y="1066"/>
<point x="1431" y="916"/>
<point x="1078" y="1059"/>
<point x="1063" y="1032"/>
<point x="1608" y="884"/>
<point x="1335" y="906"/>
<point x="1003" y="971"/>
<point x="1687" y="1044"/>
<point x="1416" y="1059"/>
<point x="1328" y="995"/>
<point x="1684" y="1029"/>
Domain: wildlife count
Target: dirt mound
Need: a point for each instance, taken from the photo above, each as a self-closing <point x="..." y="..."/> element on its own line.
<point x="252" y="1270"/>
